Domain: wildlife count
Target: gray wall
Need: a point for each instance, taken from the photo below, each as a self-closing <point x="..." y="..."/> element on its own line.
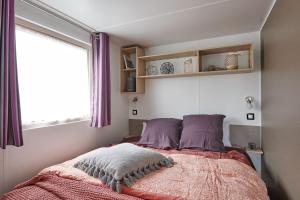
<point x="281" y="99"/>
<point x="51" y="145"/>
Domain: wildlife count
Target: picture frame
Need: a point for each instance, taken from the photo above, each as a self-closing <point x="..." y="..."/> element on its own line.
<point x="128" y="62"/>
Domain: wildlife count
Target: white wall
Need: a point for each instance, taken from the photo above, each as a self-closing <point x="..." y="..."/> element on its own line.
<point x="47" y="146"/>
<point x="222" y="94"/>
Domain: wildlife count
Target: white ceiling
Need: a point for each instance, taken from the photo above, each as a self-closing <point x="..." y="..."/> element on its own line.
<point x="156" y="22"/>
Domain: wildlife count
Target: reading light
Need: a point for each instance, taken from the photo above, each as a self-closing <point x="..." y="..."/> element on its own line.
<point x="249" y="100"/>
<point x="135" y="99"/>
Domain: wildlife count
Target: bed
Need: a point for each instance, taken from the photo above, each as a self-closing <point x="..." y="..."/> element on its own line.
<point x="196" y="175"/>
<point x="200" y="168"/>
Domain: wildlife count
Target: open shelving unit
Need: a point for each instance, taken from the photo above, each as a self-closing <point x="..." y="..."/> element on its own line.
<point x="201" y="60"/>
<point x="200" y="54"/>
<point x="133" y="52"/>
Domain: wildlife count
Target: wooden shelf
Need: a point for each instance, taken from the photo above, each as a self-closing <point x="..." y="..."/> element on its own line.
<point x="126" y="72"/>
<point x="244" y="47"/>
<point x="132" y="92"/>
<point x="129" y="69"/>
<point x="206" y="73"/>
<point x="129" y="50"/>
<point x="257" y="151"/>
<point x="202" y="56"/>
<point x="169" y="56"/>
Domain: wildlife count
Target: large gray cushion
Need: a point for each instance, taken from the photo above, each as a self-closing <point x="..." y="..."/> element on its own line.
<point x="122" y="164"/>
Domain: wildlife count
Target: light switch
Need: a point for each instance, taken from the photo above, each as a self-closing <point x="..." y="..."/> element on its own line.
<point x="134" y="112"/>
<point x="250" y="116"/>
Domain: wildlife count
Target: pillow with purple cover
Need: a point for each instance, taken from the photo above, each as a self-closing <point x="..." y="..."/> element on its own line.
<point x="204" y="132"/>
<point x="162" y="133"/>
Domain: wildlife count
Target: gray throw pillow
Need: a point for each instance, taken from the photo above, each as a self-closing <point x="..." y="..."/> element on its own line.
<point x="122" y="164"/>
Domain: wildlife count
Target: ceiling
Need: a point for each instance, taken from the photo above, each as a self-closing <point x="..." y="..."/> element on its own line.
<point x="157" y="22"/>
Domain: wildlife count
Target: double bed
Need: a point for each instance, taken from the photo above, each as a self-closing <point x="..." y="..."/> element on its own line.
<point x="197" y="174"/>
<point x="173" y="160"/>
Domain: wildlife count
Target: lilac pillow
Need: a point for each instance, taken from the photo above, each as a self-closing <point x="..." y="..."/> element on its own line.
<point x="203" y="132"/>
<point x="163" y="133"/>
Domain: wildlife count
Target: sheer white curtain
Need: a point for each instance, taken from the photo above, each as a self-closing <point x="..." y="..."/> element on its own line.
<point x="53" y="79"/>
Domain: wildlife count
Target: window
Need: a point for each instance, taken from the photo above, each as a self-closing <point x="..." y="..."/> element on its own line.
<point x="53" y="79"/>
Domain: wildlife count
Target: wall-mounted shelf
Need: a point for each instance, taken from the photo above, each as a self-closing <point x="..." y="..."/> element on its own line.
<point x="200" y="55"/>
<point x="256" y="151"/>
<point x="202" y="58"/>
<point x="133" y="53"/>
<point x="169" y="56"/>
<point x="236" y="71"/>
<point x="129" y="70"/>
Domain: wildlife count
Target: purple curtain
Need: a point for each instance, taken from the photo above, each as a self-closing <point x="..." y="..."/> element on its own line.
<point x="101" y="108"/>
<point x="10" y="116"/>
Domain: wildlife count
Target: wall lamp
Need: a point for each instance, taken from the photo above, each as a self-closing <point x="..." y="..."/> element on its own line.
<point x="250" y="102"/>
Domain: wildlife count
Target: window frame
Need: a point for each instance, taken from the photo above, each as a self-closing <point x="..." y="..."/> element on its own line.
<point x="64" y="38"/>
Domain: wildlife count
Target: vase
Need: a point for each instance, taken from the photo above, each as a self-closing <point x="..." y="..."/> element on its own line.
<point x="131" y="85"/>
<point x="231" y="61"/>
<point x="188" y="65"/>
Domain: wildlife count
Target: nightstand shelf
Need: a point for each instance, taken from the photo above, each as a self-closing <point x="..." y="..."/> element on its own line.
<point x="255" y="151"/>
<point x="256" y="158"/>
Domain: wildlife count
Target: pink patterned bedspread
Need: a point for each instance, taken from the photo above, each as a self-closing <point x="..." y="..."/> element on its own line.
<point x="195" y="176"/>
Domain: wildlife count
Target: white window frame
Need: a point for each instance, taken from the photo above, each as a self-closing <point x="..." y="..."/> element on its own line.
<point x="65" y="38"/>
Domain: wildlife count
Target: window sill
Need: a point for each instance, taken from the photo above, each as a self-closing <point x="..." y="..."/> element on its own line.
<point x="52" y="124"/>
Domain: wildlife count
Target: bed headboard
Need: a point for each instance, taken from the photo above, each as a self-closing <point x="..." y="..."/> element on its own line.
<point x="136" y="126"/>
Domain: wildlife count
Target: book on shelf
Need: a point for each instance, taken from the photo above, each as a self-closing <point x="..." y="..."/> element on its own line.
<point x="128" y="62"/>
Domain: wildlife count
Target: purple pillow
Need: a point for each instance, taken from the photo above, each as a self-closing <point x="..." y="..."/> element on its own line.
<point x="204" y="132"/>
<point x="163" y="133"/>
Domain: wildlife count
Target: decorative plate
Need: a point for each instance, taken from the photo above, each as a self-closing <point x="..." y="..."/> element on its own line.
<point x="152" y="70"/>
<point x="167" y="68"/>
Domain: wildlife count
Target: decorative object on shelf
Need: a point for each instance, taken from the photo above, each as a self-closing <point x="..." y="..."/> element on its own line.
<point x="211" y="68"/>
<point x="152" y="70"/>
<point x="188" y="65"/>
<point x="131" y="84"/>
<point x="252" y="145"/>
<point x="219" y="69"/>
<point x="128" y="62"/>
<point x="231" y="60"/>
<point x="167" y="68"/>
<point x="249" y="100"/>
<point x="214" y="68"/>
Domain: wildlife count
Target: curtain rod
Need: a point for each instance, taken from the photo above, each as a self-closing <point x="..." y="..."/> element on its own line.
<point x="56" y="13"/>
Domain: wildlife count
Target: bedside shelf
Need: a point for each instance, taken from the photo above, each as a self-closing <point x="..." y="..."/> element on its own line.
<point x="256" y="151"/>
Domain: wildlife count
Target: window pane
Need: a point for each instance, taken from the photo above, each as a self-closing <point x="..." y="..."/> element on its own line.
<point x="53" y="78"/>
